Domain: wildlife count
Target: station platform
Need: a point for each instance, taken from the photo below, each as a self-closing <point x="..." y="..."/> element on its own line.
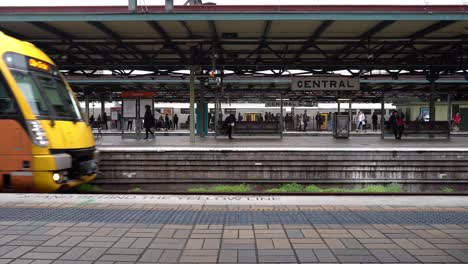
<point x="75" y="228"/>
<point x="363" y="140"/>
<point x="174" y="163"/>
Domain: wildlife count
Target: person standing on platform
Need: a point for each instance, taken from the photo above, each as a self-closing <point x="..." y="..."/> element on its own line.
<point x="318" y="121"/>
<point x="397" y="124"/>
<point x="176" y="122"/>
<point x="240" y="118"/>
<point x="129" y="124"/>
<point x="305" y="120"/>
<point x="230" y="123"/>
<point x="148" y="121"/>
<point x="91" y="121"/>
<point x="104" y="121"/>
<point x="329" y="121"/>
<point x="99" y="121"/>
<point x="167" y="123"/>
<point x="456" y="121"/>
<point x="374" y="121"/>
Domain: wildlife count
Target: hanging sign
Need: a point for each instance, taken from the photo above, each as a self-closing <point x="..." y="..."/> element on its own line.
<point x="325" y="83"/>
<point x="287" y="103"/>
<point x="138" y="94"/>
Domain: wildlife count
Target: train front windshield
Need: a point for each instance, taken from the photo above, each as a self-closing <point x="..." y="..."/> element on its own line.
<point x="44" y="90"/>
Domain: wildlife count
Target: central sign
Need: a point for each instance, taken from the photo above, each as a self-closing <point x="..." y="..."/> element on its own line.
<point x="325" y="83"/>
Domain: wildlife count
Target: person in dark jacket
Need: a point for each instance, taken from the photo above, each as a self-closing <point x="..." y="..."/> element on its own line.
<point x="318" y="121"/>
<point x="374" y="121"/>
<point x="148" y="121"/>
<point x="230" y="123"/>
<point x="104" y="121"/>
<point x="176" y="122"/>
<point x="167" y="123"/>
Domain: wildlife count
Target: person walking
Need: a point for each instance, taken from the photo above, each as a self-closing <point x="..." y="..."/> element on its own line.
<point x="360" y="121"/>
<point x="456" y="121"/>
<point x="148" y="121"/>
<point x="230" y="123"/>
<point x="374" y="121"/>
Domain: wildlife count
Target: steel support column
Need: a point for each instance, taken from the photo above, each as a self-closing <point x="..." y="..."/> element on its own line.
<point x="201" y="106"/>
<point x="350" y="114"/>
<point x="216" y="115"/>
<point x="281" y="117"/>
<point x="103" y="110"/>
<point x="382" y="116"/>
<point x="87" y="107"/>
<point x="432" y="103"/>
<point x="449" y="113"/>
<point x="192" y="104"/>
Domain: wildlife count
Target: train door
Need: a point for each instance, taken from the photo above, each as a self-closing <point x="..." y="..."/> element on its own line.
<point x="324" y="121"/>
<point x="15" y="144"/>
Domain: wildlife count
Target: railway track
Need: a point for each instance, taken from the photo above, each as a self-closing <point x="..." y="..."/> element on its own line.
<point x="171" y="171"/>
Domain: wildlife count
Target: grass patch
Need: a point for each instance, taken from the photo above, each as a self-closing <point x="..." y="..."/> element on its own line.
<point x="136" y="189"/>
<point x="87" y="188"/>
<point x="287" y="188"/>
<point x="294" y="187"/>
<point x="446" y="190"/>
<point x="240" y="188"/>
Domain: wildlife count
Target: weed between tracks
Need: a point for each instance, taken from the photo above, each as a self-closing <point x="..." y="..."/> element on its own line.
<point x="224" y="188"/>
<point x="298" y="188"/>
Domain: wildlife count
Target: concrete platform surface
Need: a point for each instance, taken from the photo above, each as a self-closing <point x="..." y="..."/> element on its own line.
<point x="58" y="228"/>
<point x="289" y="143"/>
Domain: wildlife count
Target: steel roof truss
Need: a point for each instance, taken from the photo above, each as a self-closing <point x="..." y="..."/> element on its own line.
<point x="158" y="28"/>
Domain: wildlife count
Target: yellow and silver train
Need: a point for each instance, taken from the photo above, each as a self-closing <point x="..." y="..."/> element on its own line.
<point x="45" y="144"/>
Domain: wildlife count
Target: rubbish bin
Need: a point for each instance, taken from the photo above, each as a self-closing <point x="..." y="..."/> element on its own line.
<point x="340" y="126"/>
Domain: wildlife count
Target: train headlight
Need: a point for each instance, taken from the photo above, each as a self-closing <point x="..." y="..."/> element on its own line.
<point x="38" y="134"/>
<point x="56" y="177"/>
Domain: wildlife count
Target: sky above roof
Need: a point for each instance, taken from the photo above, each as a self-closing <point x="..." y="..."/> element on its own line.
<point x="232" y="2"/>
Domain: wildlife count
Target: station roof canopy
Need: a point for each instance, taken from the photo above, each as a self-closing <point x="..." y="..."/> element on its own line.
<point x="247" y="42"/>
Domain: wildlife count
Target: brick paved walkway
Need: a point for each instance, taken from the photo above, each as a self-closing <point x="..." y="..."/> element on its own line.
<point x="147" y="233"/>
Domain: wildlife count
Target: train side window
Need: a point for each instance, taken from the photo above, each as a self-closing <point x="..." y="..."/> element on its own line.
<point x="7" y="102"/>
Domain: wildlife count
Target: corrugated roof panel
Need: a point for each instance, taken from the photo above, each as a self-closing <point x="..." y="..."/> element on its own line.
<point x="132" y="29"/>
<point x="297" y="29"/>
<point x="349" y="28"/>
<point x="28" y="30"/>
<point x="244" y="29"/>
<point x="80" y="30"/>
<point x="402" y="29"/>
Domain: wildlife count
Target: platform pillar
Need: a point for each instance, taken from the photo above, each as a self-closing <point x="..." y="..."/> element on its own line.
<point x="202" y="111"/>
<point x="103" y="110"/>
<point x="192" y="104"/>
<point x="216" y="115"/>
<point x="449" y="113"/>
<point x="281" y="117"/>
<point x="432" y="101"/>
<point x="350" y="114"/>
<point x="382" y="115"/>
<point x="87" y="107"/>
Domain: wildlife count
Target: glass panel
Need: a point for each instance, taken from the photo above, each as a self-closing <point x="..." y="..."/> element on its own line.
<point x="31" y="93"/>
<point x="60" y="97"/>
<point x="7" y="103"/>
